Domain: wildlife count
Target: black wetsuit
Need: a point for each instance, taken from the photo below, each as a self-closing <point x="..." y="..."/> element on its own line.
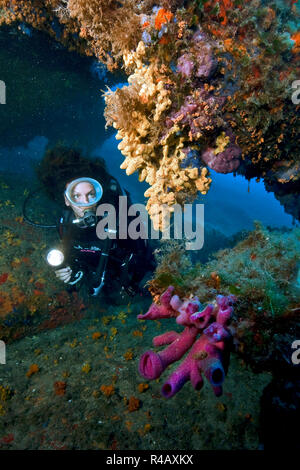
<point x="107" y="265"/>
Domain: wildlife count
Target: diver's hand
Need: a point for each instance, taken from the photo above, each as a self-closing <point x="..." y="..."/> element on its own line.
<point x="64" y="274"/>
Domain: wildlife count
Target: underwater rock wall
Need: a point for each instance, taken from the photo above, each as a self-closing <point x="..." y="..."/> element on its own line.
<point x="261" y="271"/>
<point x="210" y="85"/>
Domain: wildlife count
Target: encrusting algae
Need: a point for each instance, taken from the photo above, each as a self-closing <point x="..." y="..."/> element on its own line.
<point x="86" y="368"/>
<point x="107" y="390"/>
<point x="33" y="369"/>
<point x="5" y="394"/>
<point x="60" y="388"/>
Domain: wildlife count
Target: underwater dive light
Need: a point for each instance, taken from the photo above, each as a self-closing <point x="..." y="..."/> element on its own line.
<point x="55" y="257"/>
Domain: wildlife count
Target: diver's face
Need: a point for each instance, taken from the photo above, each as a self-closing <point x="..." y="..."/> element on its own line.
<point x="82" y="193"/>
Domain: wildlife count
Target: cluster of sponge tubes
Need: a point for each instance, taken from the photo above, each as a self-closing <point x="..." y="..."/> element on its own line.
<point x="209" y="354"/>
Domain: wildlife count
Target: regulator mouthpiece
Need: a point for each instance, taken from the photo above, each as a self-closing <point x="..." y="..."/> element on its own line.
<point x="55" y="257"/>
<point x="89" y="219"/>
<point x="93" y="192"/>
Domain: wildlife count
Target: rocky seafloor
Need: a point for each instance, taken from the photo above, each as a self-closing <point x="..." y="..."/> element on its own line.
<point x="71" y="376"/>
<point x="86" y="393"/>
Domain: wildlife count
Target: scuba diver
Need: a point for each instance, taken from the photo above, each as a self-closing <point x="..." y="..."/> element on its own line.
<point x="111" y="265"/>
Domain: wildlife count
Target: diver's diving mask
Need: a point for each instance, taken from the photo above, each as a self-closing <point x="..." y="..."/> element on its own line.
<point x="92" y="195"/>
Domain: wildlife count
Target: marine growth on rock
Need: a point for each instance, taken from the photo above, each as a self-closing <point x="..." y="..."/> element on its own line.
<point x="214" y="77"/>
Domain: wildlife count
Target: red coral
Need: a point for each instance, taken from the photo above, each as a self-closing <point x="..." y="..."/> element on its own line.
<point x="7" y="439"/>
<point x="60" y="388"/>
<point x="3" y="278"/>
<point x="163" y="16"/>
<point x="134" y="404"/>
<point x="296" y="37"/>
<point x="66" y="309"/>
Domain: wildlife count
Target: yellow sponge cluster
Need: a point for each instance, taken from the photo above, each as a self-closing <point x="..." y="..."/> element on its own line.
<point x="156" y="159"/>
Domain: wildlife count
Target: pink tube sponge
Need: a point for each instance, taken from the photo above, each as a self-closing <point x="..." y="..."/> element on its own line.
<point x="153" y="364"/>
<point x="201" y="319"/>
<point x="164" y="310"/>
<point x="187" y="308"/>
<point x="208" y="354"/>
<point x="201" y="359"/>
